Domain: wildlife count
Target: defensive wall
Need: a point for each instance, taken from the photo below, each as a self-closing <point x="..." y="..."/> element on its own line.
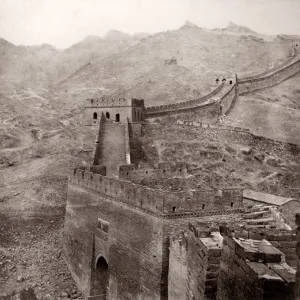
<point x="191" y="105"/>
<point x="223" y="97"/>
<point x="112" y="147"/>
<point x="118" y="110"/>
<point x="125" y="239"/>
<point x="254" y="84"/>
<point x="177" y="283"/>
<point x="161" y="170"/>
<point x="214" y="261"/>
<point x="253" y="269"/>
<point x="171" y="204"/>
<point x="137" y="255"/>
<point x="270" y="71"/>
<point x="297" y="287"/>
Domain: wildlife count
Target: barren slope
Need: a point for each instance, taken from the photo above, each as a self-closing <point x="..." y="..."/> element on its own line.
<point x="205" y="53"/>
<point x="273" y="112"/>
<point x="223" y="159"/>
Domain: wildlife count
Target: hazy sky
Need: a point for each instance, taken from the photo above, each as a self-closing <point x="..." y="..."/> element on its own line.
<point x="64" y="22"/>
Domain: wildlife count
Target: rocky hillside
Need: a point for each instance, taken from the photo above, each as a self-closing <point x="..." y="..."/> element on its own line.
<point x="273" y="112"/>
<point x="222" y="159"/>
<point x="205" y="53"/>
<point x="44" y="65"/>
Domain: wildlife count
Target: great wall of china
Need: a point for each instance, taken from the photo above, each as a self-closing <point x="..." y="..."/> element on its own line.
<point x="124" y="240"/>
<point x="224" y="95"/>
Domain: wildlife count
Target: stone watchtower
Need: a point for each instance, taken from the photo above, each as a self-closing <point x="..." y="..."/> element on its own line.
<point x="109" y="110"/>
<point x="113" y="109"/>
<point x="295" y="48"/>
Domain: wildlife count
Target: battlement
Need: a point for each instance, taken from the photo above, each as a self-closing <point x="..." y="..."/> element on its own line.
<point x="111" y="102"/>
<point x="160" y="170"/>
<point x="268" y="71"/>
<point x="182" y="105"/>
<point x="137" y="102"/>
<point x="158" y="201"/>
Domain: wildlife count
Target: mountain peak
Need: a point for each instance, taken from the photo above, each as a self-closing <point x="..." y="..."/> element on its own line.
<point x="239" y="29"/>
<point x="5" y="43"/>
<point x="189" y="24"/>
<point x="231" y="24"/>
<point x="116" y="35"/>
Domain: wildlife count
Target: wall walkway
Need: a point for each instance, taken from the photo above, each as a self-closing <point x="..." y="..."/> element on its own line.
<point x="111" y="146"/>
<point x="225" y="95"/>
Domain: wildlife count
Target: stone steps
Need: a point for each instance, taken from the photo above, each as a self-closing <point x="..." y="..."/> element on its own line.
<point x="257" y="215"/>
<point x="263" y="221"/>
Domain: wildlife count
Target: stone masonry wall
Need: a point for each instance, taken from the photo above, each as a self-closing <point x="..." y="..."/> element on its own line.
<point x="177" y="277"/>
<point x="159" y="201"/>
<point x="132" y="245"/>
<point x="227" y="101"/>
<point x="154" y="111"/>
<point x="297" y="285"/>
<point x="255" y="84"/>
<point x="204" y="253"/>
<point x="162" y="170"/>
<point x="253" y="269"/>
<point x="274" y="69"/>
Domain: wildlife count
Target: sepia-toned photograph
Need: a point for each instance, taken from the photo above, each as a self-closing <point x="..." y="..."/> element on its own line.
<point x="150" y="150"/>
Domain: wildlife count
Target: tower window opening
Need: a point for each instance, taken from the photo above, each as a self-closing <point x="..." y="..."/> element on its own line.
<point x="117" y="117"/>
<point x="95" y="116"/>
<point x="230" y="82"/>
<point x="107" y="115"/>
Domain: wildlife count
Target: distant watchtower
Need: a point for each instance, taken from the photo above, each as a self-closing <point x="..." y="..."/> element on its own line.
<point x="172" y="61"/>
<point x="113" y="109"/>
<point x="295" y="47"/>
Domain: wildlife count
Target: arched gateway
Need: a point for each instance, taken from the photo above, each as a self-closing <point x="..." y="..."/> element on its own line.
<point x="100" y="278"/>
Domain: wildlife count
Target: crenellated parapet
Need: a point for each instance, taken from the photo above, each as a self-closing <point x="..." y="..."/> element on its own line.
<point x="160" y="202"/>
<point x="160" y="110"/>
<point x="160" y="170"/>
<point x="113" y="109"/>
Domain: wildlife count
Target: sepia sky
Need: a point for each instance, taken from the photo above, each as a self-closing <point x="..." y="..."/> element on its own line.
<point x="65" y="22"/>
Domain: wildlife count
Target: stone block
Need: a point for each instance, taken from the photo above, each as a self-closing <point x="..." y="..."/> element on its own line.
<point x="261" y="271"/>
<point x="284" y="271"/>
<point x="289" y="244"/>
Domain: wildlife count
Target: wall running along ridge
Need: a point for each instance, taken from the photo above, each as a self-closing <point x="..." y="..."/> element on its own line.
<point x="169" y="109"/>
<point x="225" y="96"/>
<point x="254" y="84"/>
<point x="270" y="71"/>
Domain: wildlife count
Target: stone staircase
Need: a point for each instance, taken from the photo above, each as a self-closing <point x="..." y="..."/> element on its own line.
<point x="259" y="216"/>
<point x="112" y="149"/>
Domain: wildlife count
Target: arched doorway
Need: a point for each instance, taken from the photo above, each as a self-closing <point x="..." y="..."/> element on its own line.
<point x="95" y="116"/>
<point x="117" y="117"/>
<point x="107" y="115"/>
<point x="101" y="278"/>
<point x="230" y="82"/>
